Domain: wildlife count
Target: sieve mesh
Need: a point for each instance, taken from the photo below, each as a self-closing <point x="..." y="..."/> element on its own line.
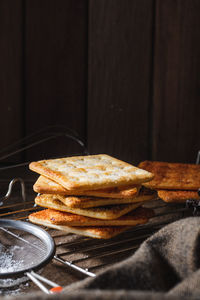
<point x="15" y="255"/>
<point x="21" y="251"/>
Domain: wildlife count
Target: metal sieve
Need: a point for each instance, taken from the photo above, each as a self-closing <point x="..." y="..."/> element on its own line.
<point x="24" y="249"/>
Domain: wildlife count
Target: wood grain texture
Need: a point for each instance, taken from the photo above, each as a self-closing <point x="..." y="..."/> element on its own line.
<point x="56" y="68"/>
<point x="126" y="56"/>
<point x="120" y="37"/>
<point x="10" y="72"/>
<point x="177" y="81"/>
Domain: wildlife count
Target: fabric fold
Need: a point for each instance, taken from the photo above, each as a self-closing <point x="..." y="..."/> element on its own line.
<point x="163" y="263"/>
<point x="166" y="266"/>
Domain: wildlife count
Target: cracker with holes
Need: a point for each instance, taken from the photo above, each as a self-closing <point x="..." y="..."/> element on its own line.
<point x="140" y="215"/>
<point x="85" y="202"/>
<point x="177" y="196"/>
<point x="103" y="212"/>
<point x="90" y="172"/>
<point x="172" y="176"/>
<point x="44" y="185"/>
<point x="107" y="232"/>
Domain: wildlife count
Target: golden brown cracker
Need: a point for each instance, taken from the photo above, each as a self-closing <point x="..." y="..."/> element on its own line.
<point x="107" y="232"/>
<point x="90" y="172"/>
<point x="104" y="212"/>
<point x="86" y="202"/>
<point x="44" y="185"/>
<point x="140" y="215"/>
<point x="172" y="176"/>
<point x="177" y="196"/>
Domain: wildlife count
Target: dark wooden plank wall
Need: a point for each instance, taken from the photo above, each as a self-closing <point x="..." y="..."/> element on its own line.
<point x="56" y="69"/>
<point x="123" y="73"/>
<point x="120" y="62"/>
<point x="176" y="81"/>
<point x="11" y="93"/>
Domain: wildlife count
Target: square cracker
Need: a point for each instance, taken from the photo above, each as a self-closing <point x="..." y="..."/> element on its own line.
<point x="85" y="202"/>
<point x="140" y="215"/>
<point x="176" y="196"/>
<point x="172" y="176"/>
<point x="42" y="218"/>
<point x="44" y="185"/>
<point x="104" y="212"/>
<point x="90" y="172"/>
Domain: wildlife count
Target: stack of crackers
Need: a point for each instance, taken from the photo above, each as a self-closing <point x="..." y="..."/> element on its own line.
<point x="95" y="195"/>
<point x="174" y="182"/>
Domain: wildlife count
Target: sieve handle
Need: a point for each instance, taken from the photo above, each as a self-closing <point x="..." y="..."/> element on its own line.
<point x="37" y="280"/>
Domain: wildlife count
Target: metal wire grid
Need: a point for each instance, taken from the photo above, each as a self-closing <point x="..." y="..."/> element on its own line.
<point x="82" y="254"/>
<point x="87" y="255"/>
<point x="26" y="248"/>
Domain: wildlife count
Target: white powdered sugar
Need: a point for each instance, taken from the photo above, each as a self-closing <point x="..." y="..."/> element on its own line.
<point x="7" y="261"/>
<point x="9" y="264"/>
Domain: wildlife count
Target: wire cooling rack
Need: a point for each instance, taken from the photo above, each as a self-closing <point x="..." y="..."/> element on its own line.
<point x="88" y="255"/>
<point x="84" y="255"/>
